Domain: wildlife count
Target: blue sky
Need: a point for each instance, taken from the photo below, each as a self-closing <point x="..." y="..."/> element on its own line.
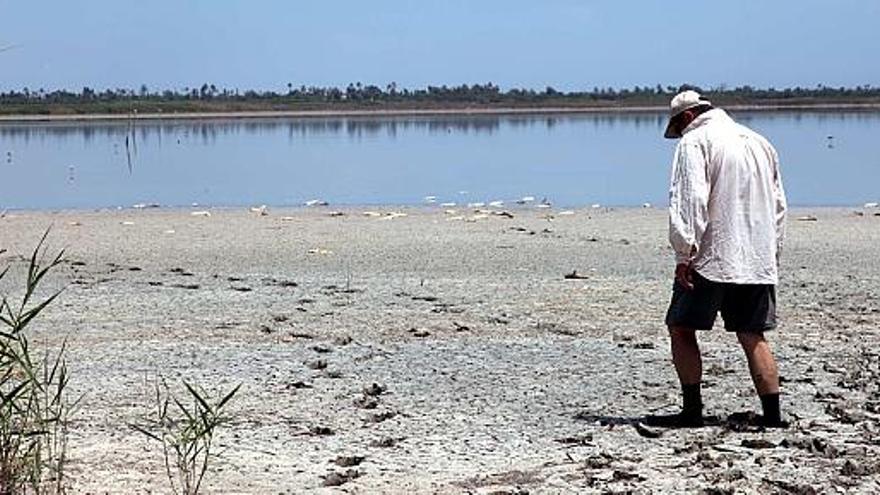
<point x="567" y="44"/>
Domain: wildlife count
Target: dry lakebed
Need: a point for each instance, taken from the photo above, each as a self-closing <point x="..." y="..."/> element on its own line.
<point x="412" y="350"/>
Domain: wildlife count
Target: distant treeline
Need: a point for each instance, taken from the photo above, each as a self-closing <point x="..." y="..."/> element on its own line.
<point x="357" y="96"/>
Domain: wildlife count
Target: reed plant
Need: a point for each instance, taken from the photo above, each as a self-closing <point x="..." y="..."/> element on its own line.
<point x="35" y="408"/>
<point x="186" y="429"/>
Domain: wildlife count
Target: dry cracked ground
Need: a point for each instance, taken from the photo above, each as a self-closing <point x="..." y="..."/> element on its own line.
<point x="448" y="353"/>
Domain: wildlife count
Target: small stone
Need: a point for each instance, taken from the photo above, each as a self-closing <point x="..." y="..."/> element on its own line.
<point x="348" y="461"/>
<point x="375" y="389"/>
<point x="366" y="402"/>
<point x="337" y="479"/>
<point x="321" y="431"/>
<point x="317" y="364"/>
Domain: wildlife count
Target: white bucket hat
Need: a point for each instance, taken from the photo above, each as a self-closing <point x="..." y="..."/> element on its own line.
<point x="685" y="100"/>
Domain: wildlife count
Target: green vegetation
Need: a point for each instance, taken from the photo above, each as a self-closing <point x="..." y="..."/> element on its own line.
<point x="34" y="403"/>
<point x="186" y="432"/>
<point x="209" y="98"/>
<point x="35" y="407"/>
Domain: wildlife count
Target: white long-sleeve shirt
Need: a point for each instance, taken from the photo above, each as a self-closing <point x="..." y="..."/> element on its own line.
<point x="726" y="203"/>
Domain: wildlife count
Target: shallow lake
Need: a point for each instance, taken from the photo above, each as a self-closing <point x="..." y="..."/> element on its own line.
<point x="828" y="158"/>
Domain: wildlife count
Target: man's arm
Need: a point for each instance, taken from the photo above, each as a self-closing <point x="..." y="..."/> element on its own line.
<point x="688" y="204"/>
<point x="781" y="205"/>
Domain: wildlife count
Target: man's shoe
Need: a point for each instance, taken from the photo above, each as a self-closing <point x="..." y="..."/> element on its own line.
<point x="748" y="421"/>
<point x="781" y="424"/>
<point x="679" y="420"/>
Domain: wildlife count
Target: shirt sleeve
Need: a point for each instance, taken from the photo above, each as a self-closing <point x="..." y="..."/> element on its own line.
<point x="688" y="201"/>
<point x="781" y="205"/>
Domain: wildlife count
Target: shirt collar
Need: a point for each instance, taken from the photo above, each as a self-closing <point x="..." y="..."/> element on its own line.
<point x="714" y="115"/>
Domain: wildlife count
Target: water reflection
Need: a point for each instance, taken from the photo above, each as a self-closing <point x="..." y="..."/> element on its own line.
<point x="208" y="131"/>
<point x="573" y="159"/>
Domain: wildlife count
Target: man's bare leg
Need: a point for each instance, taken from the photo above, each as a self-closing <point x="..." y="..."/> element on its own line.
<point x="689" y="366"/>
<point x="765" y="374"/>
<point x="686" y="355"/>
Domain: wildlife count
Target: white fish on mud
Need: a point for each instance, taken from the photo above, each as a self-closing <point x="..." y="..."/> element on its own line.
<point x="203" y="213"/>
<point x="316" y="202"/>
<point x="565" y="213"/>
<point x="474" y="218"/>
<point x="127" y="223"/>
<point x="393" y="215"/>
<point x="371" y="214"/>
<point x="262" y="210"/>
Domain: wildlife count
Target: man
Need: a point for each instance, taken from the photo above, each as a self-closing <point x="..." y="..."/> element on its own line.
<point x="726" y="224"/>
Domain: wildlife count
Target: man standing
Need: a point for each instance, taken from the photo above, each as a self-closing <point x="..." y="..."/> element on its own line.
<point x="726" y="224"/>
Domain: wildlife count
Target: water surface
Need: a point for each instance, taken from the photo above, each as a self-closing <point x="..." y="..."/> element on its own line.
<point x="571" y="160"/>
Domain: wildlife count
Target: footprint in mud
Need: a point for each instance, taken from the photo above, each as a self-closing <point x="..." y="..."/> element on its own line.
<point x="274" y="282"/>
<point x="425" y="298"/>
<point x="386" y="443"/>
<point x="577" y="440"/>
<point x="381" y="417"/>
<point x="186" y="286"/>
<point x="419" y="333"/>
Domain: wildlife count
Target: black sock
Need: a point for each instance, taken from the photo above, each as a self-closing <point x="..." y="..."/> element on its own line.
<point x="770" y="404"/>
<point x="693" y="402"/>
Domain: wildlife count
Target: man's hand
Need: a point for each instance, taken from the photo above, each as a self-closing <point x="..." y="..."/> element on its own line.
<point x="684" y="275"/>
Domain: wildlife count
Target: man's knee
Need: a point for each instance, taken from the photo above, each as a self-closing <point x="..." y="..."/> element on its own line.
<point x="682" y="334"/>
<point x="750" y="340"/>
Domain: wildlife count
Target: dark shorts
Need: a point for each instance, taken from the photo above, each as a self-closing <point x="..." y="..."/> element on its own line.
<point x="744" y="307"/>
